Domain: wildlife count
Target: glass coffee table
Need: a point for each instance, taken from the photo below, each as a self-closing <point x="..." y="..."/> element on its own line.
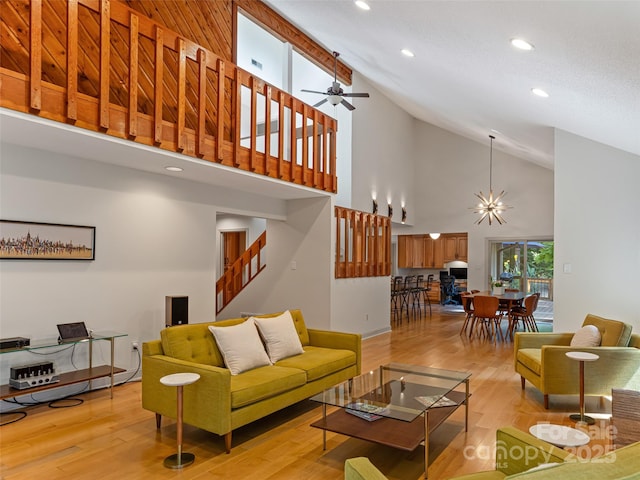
<point x="395" y="405"/>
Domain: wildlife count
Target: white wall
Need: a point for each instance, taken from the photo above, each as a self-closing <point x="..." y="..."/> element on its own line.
<point x="155" y="236"/>
<point x="299" y="266"/>
<point x="383" y="153"/>
<point x="597" y="232"/>
<point x="449" y="169"/>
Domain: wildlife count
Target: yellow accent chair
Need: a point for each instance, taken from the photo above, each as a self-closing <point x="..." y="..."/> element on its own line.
<point x="541" y="359"/>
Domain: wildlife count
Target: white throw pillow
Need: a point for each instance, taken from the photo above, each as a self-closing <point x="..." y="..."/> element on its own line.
<point x="280" y="336"/>
<point x="587" y="336"/>
<point x="240" y="346"/>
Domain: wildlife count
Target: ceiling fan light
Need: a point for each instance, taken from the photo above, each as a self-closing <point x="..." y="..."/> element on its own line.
<point x="335" y="99"/>
<point x="539" y="92"/>
<point x="362" y="4"/>
<point x="407" y="53"/>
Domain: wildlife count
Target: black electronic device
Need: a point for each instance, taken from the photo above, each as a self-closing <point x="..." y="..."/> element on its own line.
<point x="176" y="310"/>
<point x="14" y="342"/>
<point x="459" y="273"/>
<point x="33" y="375"/>
<point x="72" y="332"/>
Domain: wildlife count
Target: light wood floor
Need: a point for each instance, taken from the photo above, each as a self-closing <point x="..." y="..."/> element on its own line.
<point x="117" y="439"/>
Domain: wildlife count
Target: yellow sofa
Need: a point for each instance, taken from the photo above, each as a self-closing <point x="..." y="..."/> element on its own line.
<point x="220" y="402"/>
<point x="518" y="454"/>
<point x="540" y="358"/>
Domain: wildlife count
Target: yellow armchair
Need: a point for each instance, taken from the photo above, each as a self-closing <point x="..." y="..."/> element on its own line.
<point x="541" y="359"/>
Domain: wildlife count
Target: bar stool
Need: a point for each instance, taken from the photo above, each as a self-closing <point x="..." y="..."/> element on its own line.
<point x="180" y="459"/>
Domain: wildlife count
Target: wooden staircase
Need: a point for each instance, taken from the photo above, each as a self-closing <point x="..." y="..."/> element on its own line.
<point x="241" y="272"/>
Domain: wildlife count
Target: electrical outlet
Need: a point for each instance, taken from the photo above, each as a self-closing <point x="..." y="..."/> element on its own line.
<point x="135" y="346"/>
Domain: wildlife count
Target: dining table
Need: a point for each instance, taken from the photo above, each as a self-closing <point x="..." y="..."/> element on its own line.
<point x="511" y="299"/>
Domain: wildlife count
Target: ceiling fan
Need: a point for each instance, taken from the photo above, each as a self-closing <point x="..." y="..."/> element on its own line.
<point x="335" y="94"/>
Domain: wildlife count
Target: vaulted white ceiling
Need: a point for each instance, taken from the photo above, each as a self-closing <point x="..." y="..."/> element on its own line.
<point x="466" y="76"/>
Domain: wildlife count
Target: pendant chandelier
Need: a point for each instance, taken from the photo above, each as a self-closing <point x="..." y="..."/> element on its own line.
<point x="490" y="207"/>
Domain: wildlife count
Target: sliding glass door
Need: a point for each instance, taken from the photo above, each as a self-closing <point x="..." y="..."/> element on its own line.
<point x="524" y="264"/>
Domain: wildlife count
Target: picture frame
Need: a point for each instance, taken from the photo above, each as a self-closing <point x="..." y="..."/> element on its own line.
<point x="21" y="240"/>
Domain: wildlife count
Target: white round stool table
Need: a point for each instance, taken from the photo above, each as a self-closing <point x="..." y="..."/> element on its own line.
<point x="582" y="357"/>
<point x="180" y="459"/>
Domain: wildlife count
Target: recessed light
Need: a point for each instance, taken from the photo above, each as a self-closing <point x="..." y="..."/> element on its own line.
<point x="362" y="4"/>
<point x="173" y="169"/>
<point x="539" y="92"/>
<point x="522" y="44"/>
<point x="407" y="53"/>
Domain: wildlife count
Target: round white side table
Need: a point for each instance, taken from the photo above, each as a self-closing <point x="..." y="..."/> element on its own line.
<point x="180" y="459"/>
<point x="582" y="357"/>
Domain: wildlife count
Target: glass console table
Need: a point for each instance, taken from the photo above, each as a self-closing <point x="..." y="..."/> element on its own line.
<point x="71" y="377"/>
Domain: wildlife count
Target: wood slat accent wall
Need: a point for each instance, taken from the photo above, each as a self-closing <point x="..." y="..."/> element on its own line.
<point x="102" y="66"/>
<point x="363" y="244"/>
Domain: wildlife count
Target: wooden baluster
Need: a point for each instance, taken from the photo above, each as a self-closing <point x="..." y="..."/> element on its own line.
<point x="133" y="75"/>
<point x="35" y="73"/>
<point x="325" y="154"/>
<point x="280" y="133"/>
<point x="294" y="138"/>
<point x="316" y="149"/>
<point x="159" y="59"/>
<point x="105" y="61"/>
<point x="220" y="107"/>
<point x="254" y="126"/>
<point x="332" y="158"/>
<point x="267" y="128"/>
<point x="236" y="116"/>
<point x="305" y="145"/>
<point x="182" y="88"/>
<point x="72" y="60"/>
<point x="202" y="102"/>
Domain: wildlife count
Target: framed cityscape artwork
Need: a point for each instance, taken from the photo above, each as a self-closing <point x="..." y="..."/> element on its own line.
<point x="46" y="241"/>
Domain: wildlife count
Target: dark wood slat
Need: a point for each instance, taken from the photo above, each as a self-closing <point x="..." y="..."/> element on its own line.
<point x="254" y="126"/>
<point x="236" y="115"/>
<point x="281" y="124"/>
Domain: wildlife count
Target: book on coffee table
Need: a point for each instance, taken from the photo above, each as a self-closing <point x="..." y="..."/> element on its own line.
<point x="365" y="411"/>
<point x="435" y="401"/>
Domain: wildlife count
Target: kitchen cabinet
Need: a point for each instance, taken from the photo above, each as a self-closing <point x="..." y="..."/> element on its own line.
<point x="420" y="251"/>
<point x="455" y="247"/>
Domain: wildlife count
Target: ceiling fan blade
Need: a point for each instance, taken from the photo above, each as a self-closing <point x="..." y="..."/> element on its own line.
<point x="320" y="103"/>
<point x="359" y="95"/>
<point x="347" y="104"/>
<point x="313" y="91"/>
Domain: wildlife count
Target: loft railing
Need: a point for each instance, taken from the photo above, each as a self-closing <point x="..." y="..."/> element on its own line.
<point x="99" y="65"/>
<point x="241" y="272"/>
<point x="363" y="244"/>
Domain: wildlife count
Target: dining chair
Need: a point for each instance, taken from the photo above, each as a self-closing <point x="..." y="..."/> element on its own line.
<point x="505" y="304"/>
<point x="523" y="314"/>
<point x="467" y="305"/>
<point x="487" y="316"/>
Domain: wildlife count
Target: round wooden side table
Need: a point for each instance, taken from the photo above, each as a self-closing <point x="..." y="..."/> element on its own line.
<point x="180" y="459"/>
<point x="582" y="357"/>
